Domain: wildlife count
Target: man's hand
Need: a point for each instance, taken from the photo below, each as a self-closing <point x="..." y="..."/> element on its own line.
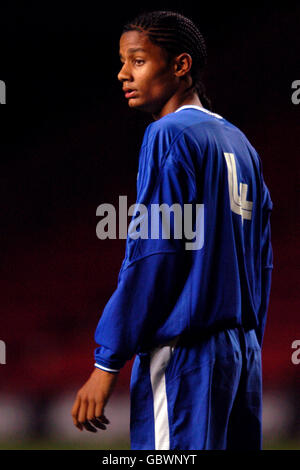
<point x="88" y="409"/>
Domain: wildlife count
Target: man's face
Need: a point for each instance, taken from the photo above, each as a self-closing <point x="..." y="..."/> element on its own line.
<point x="147" y="77"/>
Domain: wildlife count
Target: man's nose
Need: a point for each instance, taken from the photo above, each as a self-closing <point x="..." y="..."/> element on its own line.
<point x="124" y="74"/>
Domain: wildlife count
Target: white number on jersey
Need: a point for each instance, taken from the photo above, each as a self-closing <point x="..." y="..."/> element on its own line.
<point x="238" y="200"/>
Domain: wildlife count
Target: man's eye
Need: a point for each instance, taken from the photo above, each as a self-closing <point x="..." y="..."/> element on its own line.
<point x="139" y="61"/>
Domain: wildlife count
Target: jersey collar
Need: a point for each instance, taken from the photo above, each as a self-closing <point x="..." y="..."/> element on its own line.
<point x="204" y="110"/>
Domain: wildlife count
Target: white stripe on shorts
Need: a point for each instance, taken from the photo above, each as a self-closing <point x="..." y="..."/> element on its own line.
<point x="159" y="360"/>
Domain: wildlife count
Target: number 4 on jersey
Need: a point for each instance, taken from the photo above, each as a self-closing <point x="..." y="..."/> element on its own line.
<point x="238" y="200"/>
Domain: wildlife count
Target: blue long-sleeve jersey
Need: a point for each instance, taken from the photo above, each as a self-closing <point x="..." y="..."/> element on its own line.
<point x="172" y="285"/>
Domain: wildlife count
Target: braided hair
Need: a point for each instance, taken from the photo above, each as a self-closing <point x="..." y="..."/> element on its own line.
<point x="175" y="34"/>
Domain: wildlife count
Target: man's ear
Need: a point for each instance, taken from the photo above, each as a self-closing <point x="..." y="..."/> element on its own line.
<point x="182" y="64"/>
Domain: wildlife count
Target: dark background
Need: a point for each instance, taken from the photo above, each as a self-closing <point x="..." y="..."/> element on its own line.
<point x="69" y="143"/>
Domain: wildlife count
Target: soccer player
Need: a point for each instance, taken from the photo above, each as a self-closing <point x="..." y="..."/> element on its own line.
<point x="193" y="315"/>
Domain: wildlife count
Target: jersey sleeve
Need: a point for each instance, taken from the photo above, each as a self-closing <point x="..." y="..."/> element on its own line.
<point x="150" y="276"/>
<point x="266" y="263"/>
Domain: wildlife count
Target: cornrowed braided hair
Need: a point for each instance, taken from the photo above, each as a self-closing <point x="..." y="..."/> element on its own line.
<point x="175" y="34"/>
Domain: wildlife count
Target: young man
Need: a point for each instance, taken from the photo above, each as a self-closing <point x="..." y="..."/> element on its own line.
<point x="193" y="314"/>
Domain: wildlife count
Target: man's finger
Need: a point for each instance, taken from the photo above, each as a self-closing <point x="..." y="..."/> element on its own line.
<point x="74" y="413"/>
<point x="90" y="413"/>
<point x="103" y="419"/>
<point x="98" y="424"/>
<point x="82" y="412"/>
<point x="87" y="425"/>
<point x="99" y="409"/>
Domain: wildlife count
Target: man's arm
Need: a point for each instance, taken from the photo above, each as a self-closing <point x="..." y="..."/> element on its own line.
<point x="88" y="408"/>
<point x="149" y="283"/>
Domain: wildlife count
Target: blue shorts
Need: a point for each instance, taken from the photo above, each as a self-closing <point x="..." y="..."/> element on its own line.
<point x="198" y="394"/>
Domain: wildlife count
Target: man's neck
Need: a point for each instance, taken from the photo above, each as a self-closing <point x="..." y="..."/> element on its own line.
<point x="176" y="102"/>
